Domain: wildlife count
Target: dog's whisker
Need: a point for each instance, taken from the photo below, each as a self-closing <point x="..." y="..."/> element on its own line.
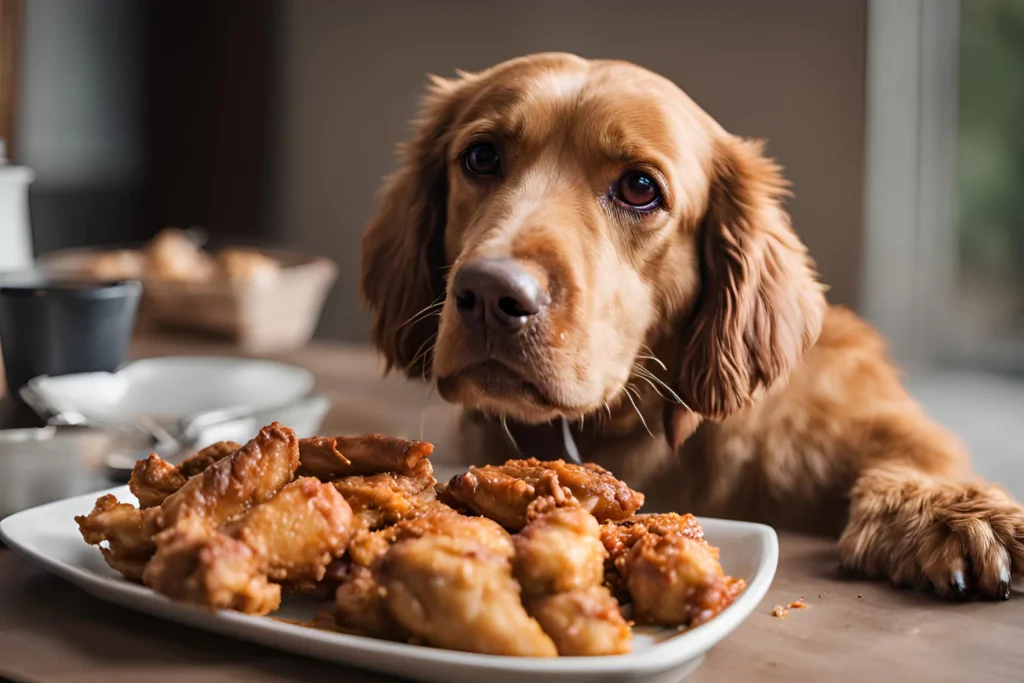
<point x="508" y="432"/>
<point x="421" y="353"/>
<point x="423" y="313"/>
<point x="652" y="379"/>
<point x="656" y="360"/>
<point x="652" y="356"/>
<point x="654" y="386"/>
<point x="639" y="414"/>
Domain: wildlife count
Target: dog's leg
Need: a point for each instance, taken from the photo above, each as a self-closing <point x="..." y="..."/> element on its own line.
<point x="916" y="519"/>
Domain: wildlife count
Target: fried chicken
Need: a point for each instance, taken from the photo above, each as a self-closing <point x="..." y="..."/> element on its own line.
<point x="127" y="531"/>
<point x="203" y="458"/>
<point x="583" y="622"/>
<point x="619" y="537"/>
<point x="330" y="457"/>
<point x="298" y="532"/>
<point x="153" y="479"/>
<point x="454" y="593"/>
<point x="671" y="573"/>
<point x="504" y="492"/>
<point x="198" y="564"/>
<point x="558" y="551"/>
<point x="382" y="499"/>
<point x="559" y="563"/>
<point x="250" y="476"/>
<point x="360" y="606"/>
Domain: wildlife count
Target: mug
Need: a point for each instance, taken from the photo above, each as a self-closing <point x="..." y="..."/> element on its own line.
<point x="59" y="327"/>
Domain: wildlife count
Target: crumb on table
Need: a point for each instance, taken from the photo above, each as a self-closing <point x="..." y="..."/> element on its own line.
<point x="798" y="604"/>
<point x="780" y="612"/>
<point x="860" y="595"/>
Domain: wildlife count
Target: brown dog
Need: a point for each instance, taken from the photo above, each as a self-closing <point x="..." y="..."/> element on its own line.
<point x="574" y="239"/>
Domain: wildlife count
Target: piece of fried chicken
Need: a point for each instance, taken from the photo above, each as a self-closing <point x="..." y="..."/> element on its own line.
<point x="387" y="498"/>
<point x="331" y="457"/>
<point x="671" y="574"/>
<point x="198" y="564"/>
<point x="250" y="476"/>
<point x="504" y="492"/>
<point x="454" y="593"/>
<point x="559" y="563"/>
<point x="359" y="598"/>
<point x="153" y="478"/>
<point x="203" y="458"/>
<point x="127" y="531"/>
<point x="298" y="532"/>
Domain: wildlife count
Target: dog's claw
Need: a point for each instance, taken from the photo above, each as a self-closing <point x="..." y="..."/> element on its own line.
<point x="957" y="585"/>
<point x="1005" y="583"/>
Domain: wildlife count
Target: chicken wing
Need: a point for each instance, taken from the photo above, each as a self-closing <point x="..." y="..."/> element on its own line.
<point x="504" y="492"/>
<point x="298" y="532"/>
<point x="676" y="580"/>
<point x="454" y="593"/>
<point x="127" y="531"/>
<point x="360" y="606"/>
<point x="382" y="499"/>
<point x="558" y="551"/>
<point x="559" y="563"/>
<point x="583" y="623"/>
<point x="250" y="476"/>
<point x="203" y="458"/>
<point x="153" y="479"/>
<point x="619" y="537"/>
<point x="195" y="563"/>
<point x="329" y="457"/>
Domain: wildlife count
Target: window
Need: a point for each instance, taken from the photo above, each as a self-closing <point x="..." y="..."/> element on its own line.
<point x="944" y="275"/>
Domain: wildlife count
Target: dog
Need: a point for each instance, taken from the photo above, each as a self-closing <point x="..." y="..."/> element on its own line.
<point x="581" y="257"/>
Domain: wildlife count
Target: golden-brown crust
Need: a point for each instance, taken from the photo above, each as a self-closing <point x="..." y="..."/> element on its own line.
<point x="197" y="564"/>
<point x="298" y="532"/>
<point x="583" y="623"/>
<point x="127" y="531"/>
<point x="330" y="457"/>
<point x="203" y="458"/>
<point x="153" y="479"/>
<point x="504" y="492"/>
<point x="250" y="476"/>
<point x="382" y="499"/>
<point x="454" y="593"/>
<point x="676" y="580"/>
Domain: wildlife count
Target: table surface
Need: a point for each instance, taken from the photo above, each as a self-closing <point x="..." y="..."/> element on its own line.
<point x="851" y="630"/>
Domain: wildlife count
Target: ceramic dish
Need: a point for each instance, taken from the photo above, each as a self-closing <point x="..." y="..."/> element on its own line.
<point x="170" y="389"/>
<point x="49" y="536"/>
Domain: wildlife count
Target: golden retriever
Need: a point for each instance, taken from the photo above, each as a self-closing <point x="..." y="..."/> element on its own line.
<point x="572" y="241"/>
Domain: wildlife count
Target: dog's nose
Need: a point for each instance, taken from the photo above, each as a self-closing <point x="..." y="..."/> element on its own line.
<point x="497" y="295"/>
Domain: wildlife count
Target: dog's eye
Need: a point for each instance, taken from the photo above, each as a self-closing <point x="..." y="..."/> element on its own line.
<point x="638" y="190"/>
<point x="482" y="159"/>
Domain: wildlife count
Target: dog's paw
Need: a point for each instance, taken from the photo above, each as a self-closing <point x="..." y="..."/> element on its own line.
<point x="962" y="541"/>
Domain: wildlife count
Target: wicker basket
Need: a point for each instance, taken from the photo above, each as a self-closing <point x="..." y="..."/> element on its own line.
<point x="259" y="317"/>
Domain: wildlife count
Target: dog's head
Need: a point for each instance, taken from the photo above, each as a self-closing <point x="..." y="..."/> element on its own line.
<point x="554" y="216"/>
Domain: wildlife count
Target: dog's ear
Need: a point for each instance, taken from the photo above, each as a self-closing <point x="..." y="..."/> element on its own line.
<point x="761" y="305"/>
<point x="402" y="261"/>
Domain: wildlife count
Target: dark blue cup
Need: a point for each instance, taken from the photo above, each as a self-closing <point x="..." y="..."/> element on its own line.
<point x="58" y="327"/>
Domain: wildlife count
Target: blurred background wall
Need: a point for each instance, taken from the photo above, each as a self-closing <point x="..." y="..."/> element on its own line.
<point x="276" y="120"/>
<point x="790" y="71"/>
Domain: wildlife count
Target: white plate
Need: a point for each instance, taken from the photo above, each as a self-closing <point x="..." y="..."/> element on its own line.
<point x="169" y="389"/>
<point x="49" y="536"/>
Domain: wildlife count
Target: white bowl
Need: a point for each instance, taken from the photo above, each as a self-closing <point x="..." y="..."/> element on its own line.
<point x="169" y="389"/>
<point x="49" y="536"/>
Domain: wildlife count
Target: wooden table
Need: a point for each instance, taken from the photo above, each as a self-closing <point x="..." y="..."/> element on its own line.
<point x="850" y="631"/>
